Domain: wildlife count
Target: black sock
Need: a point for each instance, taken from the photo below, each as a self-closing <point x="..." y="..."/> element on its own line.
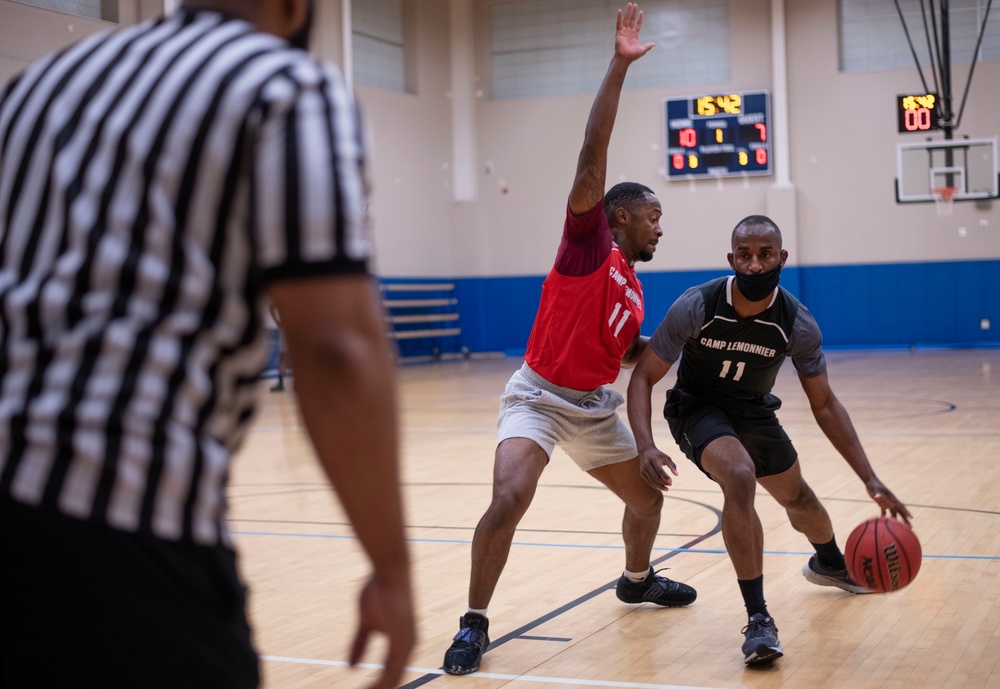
<point x="753" y="595"/>
<point x="829" y="554"/>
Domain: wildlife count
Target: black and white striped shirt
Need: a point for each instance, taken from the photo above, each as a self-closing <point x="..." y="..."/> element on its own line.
<point x="152" y="181"/>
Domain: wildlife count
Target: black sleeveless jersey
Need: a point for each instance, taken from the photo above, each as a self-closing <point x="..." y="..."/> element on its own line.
<point x="731" y="361"/>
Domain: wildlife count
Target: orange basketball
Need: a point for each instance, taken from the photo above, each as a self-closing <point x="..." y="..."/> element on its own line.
<point x="883" y="554"/>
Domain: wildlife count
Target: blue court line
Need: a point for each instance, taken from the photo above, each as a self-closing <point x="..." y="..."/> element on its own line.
<point x="710" y="551"/>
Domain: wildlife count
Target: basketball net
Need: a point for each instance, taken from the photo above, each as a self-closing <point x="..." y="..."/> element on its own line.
<point x="944" y="200"/>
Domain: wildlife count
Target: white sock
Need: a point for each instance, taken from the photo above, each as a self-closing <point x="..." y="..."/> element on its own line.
<point x="478" y="611"/>
<point x="636" y="576"/>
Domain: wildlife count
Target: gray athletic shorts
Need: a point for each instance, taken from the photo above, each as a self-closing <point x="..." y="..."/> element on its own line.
<point x="583" y="423"/>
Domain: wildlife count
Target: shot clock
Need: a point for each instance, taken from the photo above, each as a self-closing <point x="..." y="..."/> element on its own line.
<point x="917" y="113"/>
<point x="723" y="135"/>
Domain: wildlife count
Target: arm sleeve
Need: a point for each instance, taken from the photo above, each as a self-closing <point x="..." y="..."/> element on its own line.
<point x="309" y="205"/>
<point x="586" y="242"/>
<point x="805" y="345"/>
<point x="682" y="323"/>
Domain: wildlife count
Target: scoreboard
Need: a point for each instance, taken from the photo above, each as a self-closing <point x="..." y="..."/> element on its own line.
<point x="724" y="135"/>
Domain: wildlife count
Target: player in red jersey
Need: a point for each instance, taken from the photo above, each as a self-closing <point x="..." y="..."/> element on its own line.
<point x="587" y="326"/>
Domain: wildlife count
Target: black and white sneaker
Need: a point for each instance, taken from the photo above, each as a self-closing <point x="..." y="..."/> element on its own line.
<point x="817" y="573"/>
<point x="761" y="645"/>
<point x="655" y="589"/>
<point x="468" y="646"/>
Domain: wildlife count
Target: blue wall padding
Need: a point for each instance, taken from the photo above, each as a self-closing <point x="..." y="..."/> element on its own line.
<point x="857" y="306"/>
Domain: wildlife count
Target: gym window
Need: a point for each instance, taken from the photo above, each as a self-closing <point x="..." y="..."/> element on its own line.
<point x="542" y="48"/>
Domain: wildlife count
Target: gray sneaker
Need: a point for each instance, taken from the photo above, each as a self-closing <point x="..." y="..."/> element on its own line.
<point x="761" y="645"/>
<point x="817" y="573"/>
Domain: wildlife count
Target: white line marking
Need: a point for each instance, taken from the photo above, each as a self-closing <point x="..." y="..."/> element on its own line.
<point x="488" y="675"/>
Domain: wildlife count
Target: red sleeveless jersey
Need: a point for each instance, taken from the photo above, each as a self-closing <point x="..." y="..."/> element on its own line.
<point x="585" y="323"/>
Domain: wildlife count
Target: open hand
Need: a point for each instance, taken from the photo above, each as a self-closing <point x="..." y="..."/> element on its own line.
<point x="627" y="43"/>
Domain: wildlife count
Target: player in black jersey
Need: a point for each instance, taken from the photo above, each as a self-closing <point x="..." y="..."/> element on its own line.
<point x="735" y="332"/>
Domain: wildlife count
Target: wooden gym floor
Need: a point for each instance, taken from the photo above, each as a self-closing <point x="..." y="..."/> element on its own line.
<point x="929" y="420"/>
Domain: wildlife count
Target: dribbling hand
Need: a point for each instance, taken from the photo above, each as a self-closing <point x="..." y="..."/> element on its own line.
<point x="887" y="502"/>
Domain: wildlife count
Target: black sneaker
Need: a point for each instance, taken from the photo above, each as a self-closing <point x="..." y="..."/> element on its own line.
<point x="761" y="645"/>
<point x="469" y="645"/>
<point x="655" y="589"/>
<point x="817" y="573"/>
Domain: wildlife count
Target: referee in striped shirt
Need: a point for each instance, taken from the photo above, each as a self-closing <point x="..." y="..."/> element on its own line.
<point x="158" y="183"/>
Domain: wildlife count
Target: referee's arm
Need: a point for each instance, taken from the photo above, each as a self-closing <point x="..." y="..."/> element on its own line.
<point x="308" y="197"/>
<point x="346" y="387"/>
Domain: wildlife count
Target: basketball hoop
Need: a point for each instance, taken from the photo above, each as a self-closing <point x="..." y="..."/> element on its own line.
<point x="944" y="199"/>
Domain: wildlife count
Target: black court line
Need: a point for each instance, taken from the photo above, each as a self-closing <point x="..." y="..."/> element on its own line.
<point x="548" y="638"/>
<point x="520" y="632"/>
<point x="314" y="487"/>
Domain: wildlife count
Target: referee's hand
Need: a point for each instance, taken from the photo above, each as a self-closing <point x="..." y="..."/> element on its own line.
<point x="386" y="608"/>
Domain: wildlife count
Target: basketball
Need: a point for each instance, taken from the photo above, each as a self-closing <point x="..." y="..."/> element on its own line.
<point x="883" y="554"/>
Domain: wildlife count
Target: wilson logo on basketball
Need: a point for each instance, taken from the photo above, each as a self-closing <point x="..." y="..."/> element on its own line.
<point x="868" y="572"/>
<point x="892" y="565"/>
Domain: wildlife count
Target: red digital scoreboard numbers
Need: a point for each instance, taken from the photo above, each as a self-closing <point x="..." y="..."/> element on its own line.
<point x="723" y="135"/>
<point x="918" y="113"/>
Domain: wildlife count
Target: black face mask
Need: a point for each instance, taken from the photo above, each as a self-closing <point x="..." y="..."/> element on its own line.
<point x="756" y="286"/>
<point x="304" y="34"/>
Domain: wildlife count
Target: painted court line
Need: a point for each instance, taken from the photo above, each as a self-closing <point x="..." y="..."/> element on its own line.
<point x="564" y="639"/>
<point x="488" y="675"/>
<point x="710" y="551"/>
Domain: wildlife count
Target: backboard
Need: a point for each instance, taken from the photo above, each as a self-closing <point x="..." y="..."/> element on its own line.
<point x="969" y="166"/>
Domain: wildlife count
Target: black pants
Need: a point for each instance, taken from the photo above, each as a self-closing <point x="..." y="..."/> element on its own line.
<point x="83" y="605"/>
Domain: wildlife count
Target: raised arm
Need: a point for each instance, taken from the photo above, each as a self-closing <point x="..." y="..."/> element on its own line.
<point x="591" y="169"/>
<point x="346" y="388"/>
<point x="836" y="425"/>
<point x="653" y="464"/>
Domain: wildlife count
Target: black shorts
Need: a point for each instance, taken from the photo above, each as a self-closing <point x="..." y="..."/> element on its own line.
<point x="695" y="423"/>
<point x="84" y="605"/>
